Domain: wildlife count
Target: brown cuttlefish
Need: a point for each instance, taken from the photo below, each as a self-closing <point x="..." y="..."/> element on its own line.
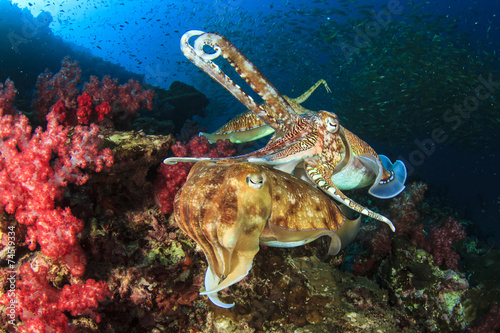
<point x="228" y="208"/>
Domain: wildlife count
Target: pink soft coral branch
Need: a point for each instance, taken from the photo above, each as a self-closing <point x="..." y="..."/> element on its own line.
<point x="61" y="93"/>
<point x="34" y="171"/>
<point x="41" y="306"/>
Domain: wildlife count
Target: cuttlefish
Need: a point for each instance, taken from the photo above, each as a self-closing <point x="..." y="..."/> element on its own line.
<point x="229" y="208"/>
<point x="311" y="145"/>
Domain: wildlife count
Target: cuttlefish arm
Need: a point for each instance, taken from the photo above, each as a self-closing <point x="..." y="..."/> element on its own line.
<point x="242" y="264"/>
<point x="283" y="149"/>
<point x="247" y="126"/>
<point x="278" y="114"/>
<point x="320" y="177"/>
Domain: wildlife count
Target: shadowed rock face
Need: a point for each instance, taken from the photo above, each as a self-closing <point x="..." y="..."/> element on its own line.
<point x="184" y="101"/>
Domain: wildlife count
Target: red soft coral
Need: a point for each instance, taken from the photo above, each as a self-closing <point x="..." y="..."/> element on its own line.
<point x="118" y="100"/>
<point x="440" y="241"/>
<point x="99" y="100"/>
<point x="40" y="306"/>
<point x="34" y="171"/>
<point x="61" y="86"/>
<point x="7" y="94"/>
<point x="405" y="215"/>
<point x="84" y="111"/>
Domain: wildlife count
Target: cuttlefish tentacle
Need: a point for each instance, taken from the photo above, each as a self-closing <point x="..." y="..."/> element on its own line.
<point x="211" y="282"/>
<point x="278" y="114"/>
<point x="247" y="126"/>
<point x="204" y="61"/>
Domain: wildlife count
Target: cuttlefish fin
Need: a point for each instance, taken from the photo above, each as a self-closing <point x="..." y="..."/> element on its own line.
<point x="392" y="185"/>
<point x="240" y="136"/>
<point x="349" y="230"/>
<point x="333" y="191"/>
<point x="277" y="236"/>
<point x="245" y="127"/>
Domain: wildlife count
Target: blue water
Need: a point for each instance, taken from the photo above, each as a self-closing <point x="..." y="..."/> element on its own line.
<point x="294" y="43"/>
<point x="143" y="36"/>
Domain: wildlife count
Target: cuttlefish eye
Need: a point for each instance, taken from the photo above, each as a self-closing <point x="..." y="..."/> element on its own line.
<point x="331" y="124"/>
<point x="255" y="181"/>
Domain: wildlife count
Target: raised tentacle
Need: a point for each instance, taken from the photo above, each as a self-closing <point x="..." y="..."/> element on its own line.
<point x="280" y="115"/>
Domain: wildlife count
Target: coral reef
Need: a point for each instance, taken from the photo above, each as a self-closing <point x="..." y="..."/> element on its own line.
<point x="418" y="264"/>
<point x="432" y="297"/>
<point x="35" y="169"/>
<point x="93" y="253"/>
<point x="129" y="184"/>
<point x="441" y="240"/>
<point x="482" y="270"/>
<point x="489" y="323"/>
<point x="60" y="93"/>
<point x="405" y="212"/>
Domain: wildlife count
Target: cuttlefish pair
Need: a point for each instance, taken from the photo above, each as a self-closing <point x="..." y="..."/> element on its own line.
<point x="228" y="208"/>
<point x="311" y="145"/>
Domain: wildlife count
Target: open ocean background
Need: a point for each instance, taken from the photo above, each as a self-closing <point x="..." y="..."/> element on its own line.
<point x="395" y="78"/>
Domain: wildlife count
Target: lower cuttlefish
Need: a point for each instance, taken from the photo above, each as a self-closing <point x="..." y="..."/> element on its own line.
<point x="312" y="145"/>
<point x="229" y="208"/>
